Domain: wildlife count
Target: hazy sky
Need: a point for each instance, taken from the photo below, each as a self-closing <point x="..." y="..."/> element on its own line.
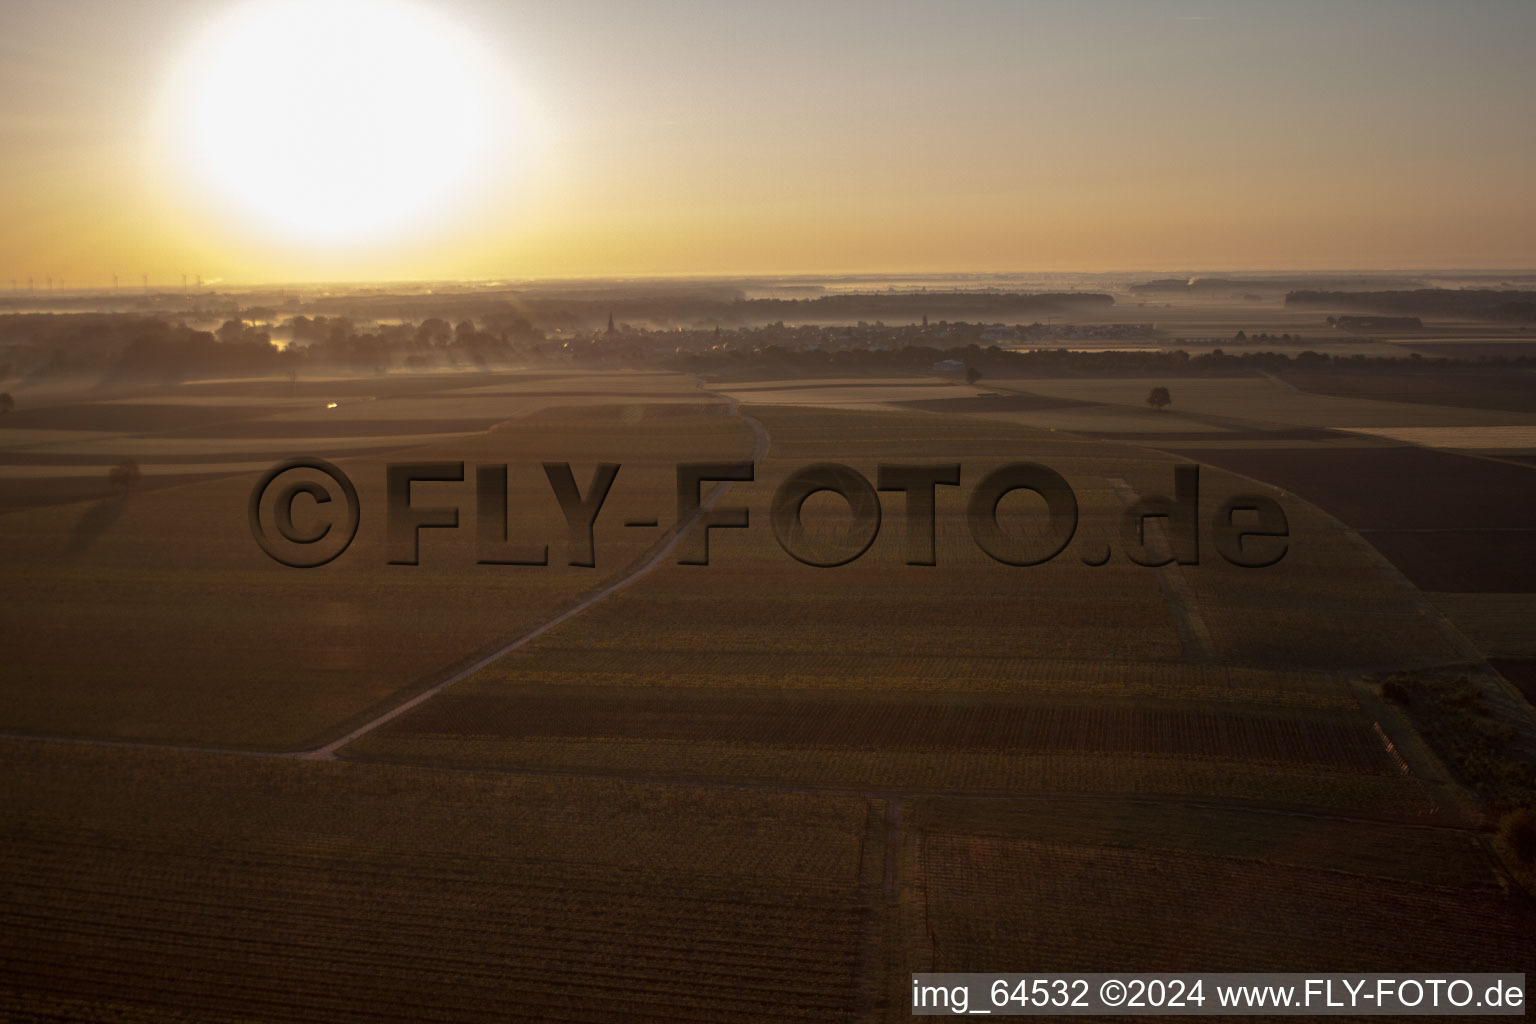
<point x="720" y="137"/>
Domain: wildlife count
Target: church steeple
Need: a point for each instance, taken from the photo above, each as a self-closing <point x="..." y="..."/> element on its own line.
<point x="610" y="321"/>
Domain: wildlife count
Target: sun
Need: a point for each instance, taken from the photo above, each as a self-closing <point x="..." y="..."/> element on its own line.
<point x="332" y="121"/>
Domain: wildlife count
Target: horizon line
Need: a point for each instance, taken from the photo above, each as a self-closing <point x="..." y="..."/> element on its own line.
<point x="841" y="275"/>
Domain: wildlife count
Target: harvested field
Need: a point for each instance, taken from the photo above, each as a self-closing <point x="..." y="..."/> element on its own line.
<point x="1520" y="439"/>
<point x="1511" y="391"/>
<point x="844" y="394"/>
<point x="1264" y="401"/>
<point x="973" y="404"/>
<point x="1449" y="522"/>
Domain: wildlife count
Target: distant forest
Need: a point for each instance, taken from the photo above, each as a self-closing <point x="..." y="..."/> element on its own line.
<point x="575" y="310"/>
<point x="47" y="345"/>
<point x="911" y="305"/>
<point x="108" y="348"/>
<point x="52" y="345"/>
<point x="694" y="309"/>
<point x="994" y="361"/>
<point x="1469" y="303"/>
<point x="1222" y="286"/>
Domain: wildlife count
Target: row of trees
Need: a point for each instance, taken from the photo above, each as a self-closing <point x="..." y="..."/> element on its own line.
<point x="1474" y="303"/>
<point x="994" y="361"/>
<point x="116" y="347"/>
<point x="137" y="347"/>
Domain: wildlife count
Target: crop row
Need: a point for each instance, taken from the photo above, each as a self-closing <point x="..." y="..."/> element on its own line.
<point x="329" y="941"/>
<point x="1072" y="906"/>
<point x="741" y="719"/>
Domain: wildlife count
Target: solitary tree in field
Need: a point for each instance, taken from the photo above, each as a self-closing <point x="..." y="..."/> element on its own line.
<point x="972" y="375"/>
<point x="123" y="477"/>
<point x="1159" y="397"/>
<point x="7" y="403"/>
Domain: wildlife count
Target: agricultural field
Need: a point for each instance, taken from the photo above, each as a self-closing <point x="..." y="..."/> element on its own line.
<point x="754" y="788"/>
<point x="1279" y="893"/>
<point x="167" y="885"/>
<point x="60" y="444"/>
<point x="1169" y="802"/>
<point x="1512" y="392"/>
<point x="849" y="393"/>
<point x="967" y="675"/>
<point x="156" y="617"/>
<point x="1433" y="470"/>
<point x="1246" y="403"/>
<point x="604" y="514"/>
<point x="1448" y="521"/>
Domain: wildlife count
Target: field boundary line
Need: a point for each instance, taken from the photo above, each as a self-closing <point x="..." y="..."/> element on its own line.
<point x="1284" y="383"/>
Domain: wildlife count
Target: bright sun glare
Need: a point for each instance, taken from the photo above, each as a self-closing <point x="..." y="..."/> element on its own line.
<point x="332" y="121"/>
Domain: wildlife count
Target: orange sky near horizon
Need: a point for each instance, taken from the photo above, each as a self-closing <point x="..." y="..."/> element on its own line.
<point x="710" y="139"/>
